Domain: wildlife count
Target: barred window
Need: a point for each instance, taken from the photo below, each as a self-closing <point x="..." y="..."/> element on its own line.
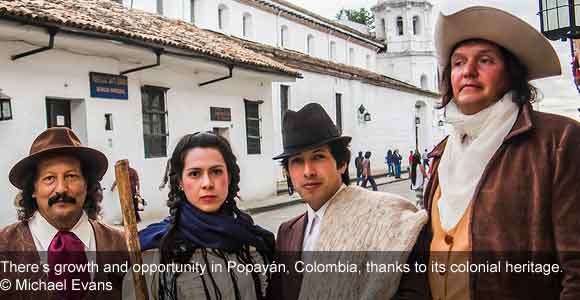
<point x="247" y="25"/>
<point x="338" y="103"/>
<point x="222" y="17"/>
<point x="253" y="121"/>
<point x="284" y="99"/>
<point x="400" y="30"/>
<point x="154" y="121"/>
<point x="192" y="10"/>
<point x="310" y="45"/>
<point x="332" y="51"/>
<point x="284" y="36"/>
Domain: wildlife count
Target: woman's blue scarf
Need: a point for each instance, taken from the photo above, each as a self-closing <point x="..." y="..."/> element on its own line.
<point x="220" y="230"/>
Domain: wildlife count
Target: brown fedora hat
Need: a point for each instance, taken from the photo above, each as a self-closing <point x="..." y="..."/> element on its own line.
<point x="58" y="140"/>
<point x="502" y="28"/>
<point x="308" y="128"/>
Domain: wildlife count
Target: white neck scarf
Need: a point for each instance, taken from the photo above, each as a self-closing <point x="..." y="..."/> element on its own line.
<point x="471" y="144"/>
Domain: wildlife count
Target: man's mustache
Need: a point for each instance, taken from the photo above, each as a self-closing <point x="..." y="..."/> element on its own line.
<point x="62" y="197"/>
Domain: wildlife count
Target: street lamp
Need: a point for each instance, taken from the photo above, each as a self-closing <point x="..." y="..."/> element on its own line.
<point x="560" y="19"/>
<point x="363" y="114"/>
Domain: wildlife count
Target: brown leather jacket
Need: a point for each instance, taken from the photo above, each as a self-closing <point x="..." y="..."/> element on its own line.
<point x="17" y="245"/>
<point x="526" y="207"/>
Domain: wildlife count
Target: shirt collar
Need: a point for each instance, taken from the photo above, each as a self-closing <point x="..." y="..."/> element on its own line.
<point x="45" y="232"/>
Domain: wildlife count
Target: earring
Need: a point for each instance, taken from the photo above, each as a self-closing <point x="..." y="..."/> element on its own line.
<point x="181" y="188"/>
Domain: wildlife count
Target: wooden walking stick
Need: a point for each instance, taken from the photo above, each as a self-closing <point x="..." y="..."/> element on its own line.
<point x="130" y="224"/>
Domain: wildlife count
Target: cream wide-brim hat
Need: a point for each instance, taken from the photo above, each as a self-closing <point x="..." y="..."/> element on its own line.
<point x="502" y="28"/>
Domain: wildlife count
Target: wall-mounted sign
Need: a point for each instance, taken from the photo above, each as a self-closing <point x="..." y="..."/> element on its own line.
<point x="109" y="86"/>
<point x="220" y="114"/>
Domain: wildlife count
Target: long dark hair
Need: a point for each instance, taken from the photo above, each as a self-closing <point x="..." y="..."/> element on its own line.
<point x="27" y="205"/>
<point x="176" y="196"/>
<point x="517" y="73"/>
<point x="179" y="251"/>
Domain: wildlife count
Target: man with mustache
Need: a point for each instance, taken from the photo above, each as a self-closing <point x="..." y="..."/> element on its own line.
<point x="339" y="217"/>
<point x="504" y="184"/>
<point x="58" y="210"/>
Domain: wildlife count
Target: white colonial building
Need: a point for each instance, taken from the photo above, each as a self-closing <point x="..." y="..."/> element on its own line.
<point x="132" y="81"/>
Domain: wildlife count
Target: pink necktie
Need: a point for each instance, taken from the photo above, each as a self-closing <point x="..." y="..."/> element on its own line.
<point x="67" y="249"/>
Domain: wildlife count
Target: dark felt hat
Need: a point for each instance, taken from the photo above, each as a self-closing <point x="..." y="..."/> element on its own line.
<point x="58" y="140"/>
<point x="308" y="128"/>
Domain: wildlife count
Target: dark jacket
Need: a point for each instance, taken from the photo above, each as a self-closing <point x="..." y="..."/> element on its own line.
<point x="526" y="207"/>
<point x="286" y="286"/>
<point x="358" y="165"/>
<point x="17" y="245"/>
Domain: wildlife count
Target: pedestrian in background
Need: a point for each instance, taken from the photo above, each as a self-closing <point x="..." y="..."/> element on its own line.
<point x="367" y="172"/>
<point x="359" y="169"/>
<point x="390" y="165"/>
<point x="397" y="158"/>
<point x="138" y="201"/>
<point x="425" y="158"/>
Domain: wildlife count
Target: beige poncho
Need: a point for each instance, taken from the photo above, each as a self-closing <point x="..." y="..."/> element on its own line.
<point x="360" y="227"/>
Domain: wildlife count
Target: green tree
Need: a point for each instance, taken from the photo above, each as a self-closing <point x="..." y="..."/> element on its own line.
<point x="361" y="16"/>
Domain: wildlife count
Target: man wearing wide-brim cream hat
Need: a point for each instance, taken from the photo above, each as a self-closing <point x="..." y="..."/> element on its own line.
<point x="506" y="178"/>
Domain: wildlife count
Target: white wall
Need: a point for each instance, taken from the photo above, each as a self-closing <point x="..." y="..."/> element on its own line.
<point x="63" y="74"/>
<point x="392" y="122"/>
<point x="409" y="68"/>
<point x="423" y="41"/>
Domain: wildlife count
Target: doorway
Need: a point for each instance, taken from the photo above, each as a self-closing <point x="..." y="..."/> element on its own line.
<point x="66" y="112"/>
<point x="58" y="113"/>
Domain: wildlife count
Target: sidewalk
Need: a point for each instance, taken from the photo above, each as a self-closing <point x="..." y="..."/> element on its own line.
<point x="283" y="200"/>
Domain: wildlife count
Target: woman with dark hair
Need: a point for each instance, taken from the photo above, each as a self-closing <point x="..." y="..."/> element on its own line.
<point x="205" y="228"/>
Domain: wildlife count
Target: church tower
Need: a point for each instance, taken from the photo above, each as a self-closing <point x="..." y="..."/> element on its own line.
<point x="406" y="27"/>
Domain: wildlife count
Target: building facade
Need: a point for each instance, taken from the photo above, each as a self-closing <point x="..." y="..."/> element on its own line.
<point x="176" y="67"/>
<point x="104" y="80"/>
<point x="342" y="69"/>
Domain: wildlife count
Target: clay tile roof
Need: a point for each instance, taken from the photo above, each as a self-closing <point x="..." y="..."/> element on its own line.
<point x="306" y="62"/>
<point x="108" y="17"/>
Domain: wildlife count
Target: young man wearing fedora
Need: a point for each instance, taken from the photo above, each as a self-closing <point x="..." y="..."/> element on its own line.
<point x="339" y="217"/>
<point x="504" y="184"/>
<point x="59" y="183"/>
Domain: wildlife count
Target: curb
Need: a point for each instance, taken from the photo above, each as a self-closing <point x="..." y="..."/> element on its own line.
<point x="265" y="208"/>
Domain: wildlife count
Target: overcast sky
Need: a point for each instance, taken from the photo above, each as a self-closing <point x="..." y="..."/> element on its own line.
<point x="559" y="93"/>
